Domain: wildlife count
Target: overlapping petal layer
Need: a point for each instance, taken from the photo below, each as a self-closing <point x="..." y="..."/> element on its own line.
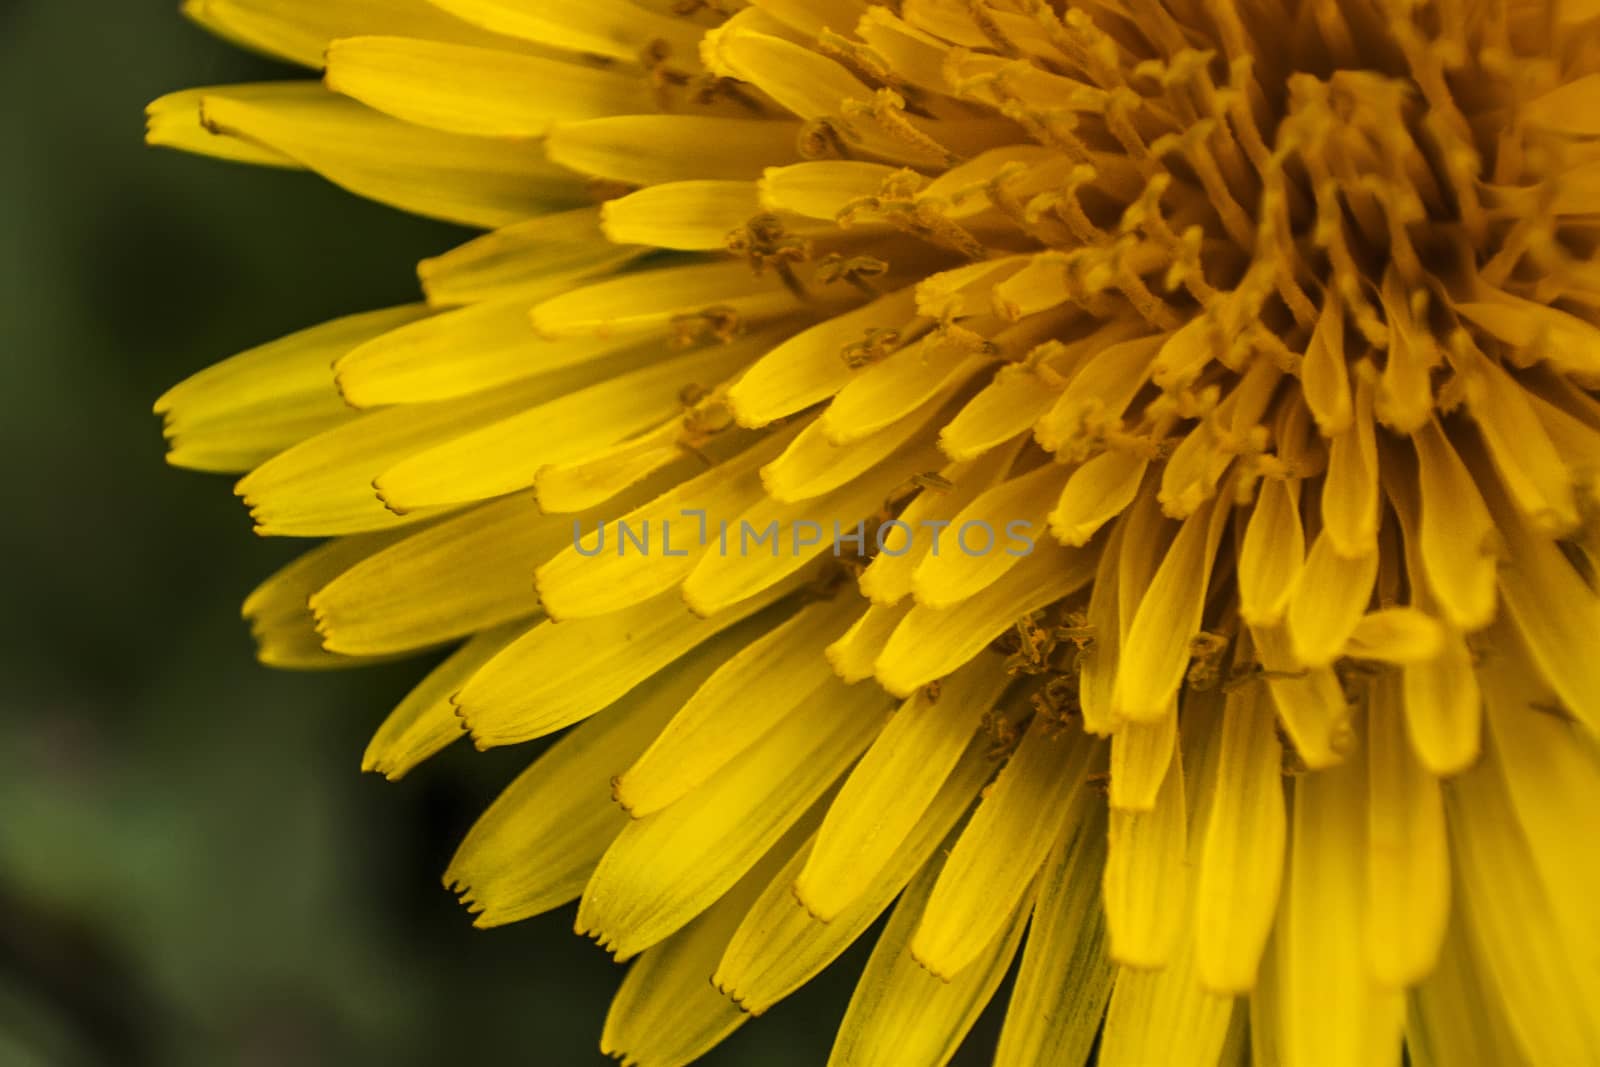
<point x="1261" y="339"/>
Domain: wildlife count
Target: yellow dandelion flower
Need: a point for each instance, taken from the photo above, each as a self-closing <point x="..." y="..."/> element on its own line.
<point x="1126" y="470"/>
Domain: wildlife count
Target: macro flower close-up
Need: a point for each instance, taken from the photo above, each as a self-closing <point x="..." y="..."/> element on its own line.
<point x="1097" y="499"/>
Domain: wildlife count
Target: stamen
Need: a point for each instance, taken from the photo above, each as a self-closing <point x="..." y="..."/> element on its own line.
<point x="720" y="323"/>
<point x="820" y="139"/>
<point x="853" y="270"/>
<point x="888" y="109"/>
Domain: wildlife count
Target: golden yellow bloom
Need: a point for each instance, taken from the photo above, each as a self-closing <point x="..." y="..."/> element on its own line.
<point x="1276" y="323"/>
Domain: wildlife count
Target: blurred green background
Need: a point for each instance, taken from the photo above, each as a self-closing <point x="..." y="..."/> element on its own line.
<point x="192" y="868"/>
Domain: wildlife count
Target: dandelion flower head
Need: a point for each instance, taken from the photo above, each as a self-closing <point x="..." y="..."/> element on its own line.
<point x="1273" y="325"/>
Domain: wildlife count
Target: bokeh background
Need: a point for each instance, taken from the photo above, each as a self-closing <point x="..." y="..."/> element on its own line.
<point x="192" y="868"/>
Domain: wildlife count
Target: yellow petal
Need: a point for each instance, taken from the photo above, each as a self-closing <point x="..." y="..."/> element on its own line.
<point x="901" y="1014"/>
<point x="281" y="623"/>
<point x="896" y="781"/>
<point x="560" y="673"/>
<point x="1272" y="553"/>
<point x="246" y="409"/>
<point x="916" y="56"/>
<point x="1241" y="861"/>
<point x="948" y="19"/>
<point x="813" y="465"/>
<point x="615" y="29"/>
<point x="1535" y="332"/>
<point x="824" y="189"/>
<point x="566" y="488"/>
<point x="888" y="578"/>
<point x="992" y="868"/>
<point x="301" y="30"/>
<point x="173" y="121"/>
<point x="812" y="365"/>
<point x="1008" y="406"/>
<point x="965" y="291"/>
<point x="1350" y="492"/>
<point x="1145" y="537"/>
<point x="1329" y="600"/>
<point x="666" y="868"/>
<point x="893" y="387"/>
<point x="1184" y="353"/>
<point x="801" y="80"/>
<point x="1551" y="769"/>
<point x="1205" y="454"/>
<point x="1146" y="886"/>
<point x="747" y="17"/>
<point x="537" y="844"/>
<point x="1554" y="610"/>
<point x="932" y="642"/>
<point x="1042" y="284"/>
<point x="1396" y="635"/>
<point x="506" y="455"/>
<point x="1155" y="652"/>
<point x="469" y="180"/>
<point x="465" y="574"/>
<point x="987" y="538"/>
<point x="323" y="485"/>
<point x="1442" y="702"/>
<point x="1457" y="536"/>
<point x="689" y="215"/>
<point x="1097" y="492"/>
<point x="1065" y="978"/>
<point x="1405" y="399"/>
<point x="1018" y="29"/>
<point x="1456" y="1016"/>
<point x="540" y="256"/>
<point x="1576" y="189"/>
<point x="425" y="721"/>
<point x="1168" y="1016"/>
<point x="479" y="91"/>
<point x="1568" y="108"/>
<point x="1310" y="701"/>
<point x="720" y="296"/>
<point x="781" y="946"/>
<point x="1325" y="375"/>
<point x="652" y="149"/>
<point x="1531" y="461"/>
<point x="1266" y="1011"/>
<point x="811" y="17"/>
<point x="1101" y="389"/>
<point x="1141" y="755"/>
<point x="1443" y="717"/>
<point x="463" y="351"/>
<point x="1544" y="979"/>
<point x="1330" y="1011"/>
<point x="771" y="540"/>
<point x="665" y="1011"/>
<point x="587" y="578"/>
<point x="1570" y="12"/>
<point x="1097" y="664"/>
<point x="1408" y="863"/>
<point x="852" y="655"/>
<point x="968" y="188"/>
<point x="719" y="722"/>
